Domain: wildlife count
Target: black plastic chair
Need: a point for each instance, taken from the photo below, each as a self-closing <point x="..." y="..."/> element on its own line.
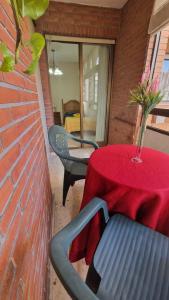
<point x="131" y="261"/>
<point x="74" y="168"/>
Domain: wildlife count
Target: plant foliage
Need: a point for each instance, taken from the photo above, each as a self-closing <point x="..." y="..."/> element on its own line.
<point x="32" y="8"/>
<point x="147" y="95"/>
<point x="36" y="44"/>
<point x="8" y="60"/>
<point x="25" y="8"/>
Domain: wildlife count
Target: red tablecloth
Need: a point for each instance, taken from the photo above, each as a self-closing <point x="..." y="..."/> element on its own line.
<point x="137" y="190"/>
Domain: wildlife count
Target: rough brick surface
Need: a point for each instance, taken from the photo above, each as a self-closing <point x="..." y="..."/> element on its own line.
<point x="25" y="196"/>
<point x="77" y="20"/>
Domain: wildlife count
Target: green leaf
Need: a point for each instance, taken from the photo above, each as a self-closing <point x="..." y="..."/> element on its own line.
<point x="36" y="43"/>
<point x="8" y="62"/>
<point x="32" y="8"/>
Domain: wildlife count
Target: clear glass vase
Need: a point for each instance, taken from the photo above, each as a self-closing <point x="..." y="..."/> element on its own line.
<point x="137" y="158"/>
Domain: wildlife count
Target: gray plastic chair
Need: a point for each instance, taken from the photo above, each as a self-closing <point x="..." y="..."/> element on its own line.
<point x="131" y="261"/>
<point x="74" y="168"/>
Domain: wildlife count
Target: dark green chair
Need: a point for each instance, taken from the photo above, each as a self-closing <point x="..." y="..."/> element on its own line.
<point x="131" y="261"/>
<point x="74" y="168"/>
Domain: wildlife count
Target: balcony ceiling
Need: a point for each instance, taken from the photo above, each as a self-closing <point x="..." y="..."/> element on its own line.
<point x="101" y="3"/>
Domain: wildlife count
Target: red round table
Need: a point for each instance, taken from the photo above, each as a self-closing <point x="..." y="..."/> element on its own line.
<point x="137" y="190"/>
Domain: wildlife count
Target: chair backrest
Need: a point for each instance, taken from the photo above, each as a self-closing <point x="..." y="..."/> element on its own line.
<point x="58" y="140"/>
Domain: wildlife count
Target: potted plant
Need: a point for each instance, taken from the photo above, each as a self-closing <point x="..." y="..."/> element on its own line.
<point x="147" y="95"/>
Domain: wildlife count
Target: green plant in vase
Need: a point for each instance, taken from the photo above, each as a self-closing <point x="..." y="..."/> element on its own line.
<point x="147" y="95"/>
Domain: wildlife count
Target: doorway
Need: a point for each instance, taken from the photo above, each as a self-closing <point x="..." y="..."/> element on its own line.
<point x="80" y="78"/>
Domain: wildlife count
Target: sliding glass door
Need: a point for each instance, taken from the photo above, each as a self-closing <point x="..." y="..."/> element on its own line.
<point x="79" y="84"/>
<point x="95" y="91"/>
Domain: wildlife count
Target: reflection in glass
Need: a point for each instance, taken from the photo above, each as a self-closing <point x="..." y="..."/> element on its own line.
<point x="95" y="77"/>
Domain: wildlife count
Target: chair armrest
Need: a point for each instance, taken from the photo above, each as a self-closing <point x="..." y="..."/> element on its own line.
<point x="59" y="247"/>
<point x="78" y="159"/>
<point x="95" y="145"/>
<point x="72" y="158"/>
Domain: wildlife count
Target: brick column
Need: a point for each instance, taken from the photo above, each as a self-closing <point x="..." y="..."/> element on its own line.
<point x="46" y="89"/>
<point x="130" y="58"/>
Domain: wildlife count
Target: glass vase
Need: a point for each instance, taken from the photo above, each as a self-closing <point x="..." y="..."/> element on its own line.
<point x="137" y="158"/>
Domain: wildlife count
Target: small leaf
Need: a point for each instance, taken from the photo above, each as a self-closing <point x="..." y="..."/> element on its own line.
<point x="32" y="8"/>
<point x="8" y="62"/>
<point x="36" y="43"/>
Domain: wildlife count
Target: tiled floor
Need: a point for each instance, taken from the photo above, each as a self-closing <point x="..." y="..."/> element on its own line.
<point x="62" y="215"/>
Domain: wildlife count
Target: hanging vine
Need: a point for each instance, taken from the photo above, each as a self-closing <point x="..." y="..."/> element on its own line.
<point x="21" y="9"/>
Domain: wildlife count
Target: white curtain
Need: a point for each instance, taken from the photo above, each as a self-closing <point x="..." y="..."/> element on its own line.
<point x="160" y="16"/>
<point x="102" y="93"/>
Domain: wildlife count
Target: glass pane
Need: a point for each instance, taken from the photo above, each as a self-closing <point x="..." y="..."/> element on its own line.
<point x="95" y="82"/>
<point x="159" y="122"/>
<point x="63" y="61"/>
<point x="165" y="65"/>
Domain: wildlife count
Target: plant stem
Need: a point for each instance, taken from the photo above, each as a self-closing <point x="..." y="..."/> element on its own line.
<point x="141" y="132"/>
<point x="18" y="29"/>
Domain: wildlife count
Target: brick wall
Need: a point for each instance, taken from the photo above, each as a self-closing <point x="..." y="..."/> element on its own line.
<point x="74" y="20"/>
<point x="78" y="20"/>
<point x="25" y="196"/>
<point x="130" y="58"/>
<point x="129" y="27"/>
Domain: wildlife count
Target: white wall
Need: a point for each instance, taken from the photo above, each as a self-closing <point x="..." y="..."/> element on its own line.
<point x="156" y="140"/>
<point x="65" y="87"/>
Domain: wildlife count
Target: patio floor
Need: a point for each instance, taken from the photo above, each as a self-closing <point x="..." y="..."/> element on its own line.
<point x="62" y="215"/>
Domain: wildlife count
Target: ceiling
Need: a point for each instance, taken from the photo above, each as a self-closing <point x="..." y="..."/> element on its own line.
<point x="101" y="3"/>
<point x="66" y="52"/>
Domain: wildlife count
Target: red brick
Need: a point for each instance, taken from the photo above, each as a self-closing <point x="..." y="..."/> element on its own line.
<point x="21" y="111"/>
<point x="7" y="7"/>
<point x="11" y="134"/>
<point x="5" y="116"/>
<point x="8" y="245"/>
<point x="25" y="139"/>
<point x="21" y="163"/>
<point x="9" y="277"/>
<point x="7" y="23"/>
<point x="7" y="161"/>
<point x="10" y="210"/>
<point x="14" y="79"/>
<point x="5" y="192"/>
<point x="5" y="37"/>
<point x="8" y="95"/>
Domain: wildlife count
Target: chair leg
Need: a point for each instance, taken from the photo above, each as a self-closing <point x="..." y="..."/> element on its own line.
<point x="66" y="185"/>
<point x="93" y="279"/>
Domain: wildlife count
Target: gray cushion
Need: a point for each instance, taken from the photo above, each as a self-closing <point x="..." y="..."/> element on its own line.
<point x="133" y="262"/>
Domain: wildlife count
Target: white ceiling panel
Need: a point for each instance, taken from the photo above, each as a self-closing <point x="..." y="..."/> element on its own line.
<point x="101" y="3"/>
